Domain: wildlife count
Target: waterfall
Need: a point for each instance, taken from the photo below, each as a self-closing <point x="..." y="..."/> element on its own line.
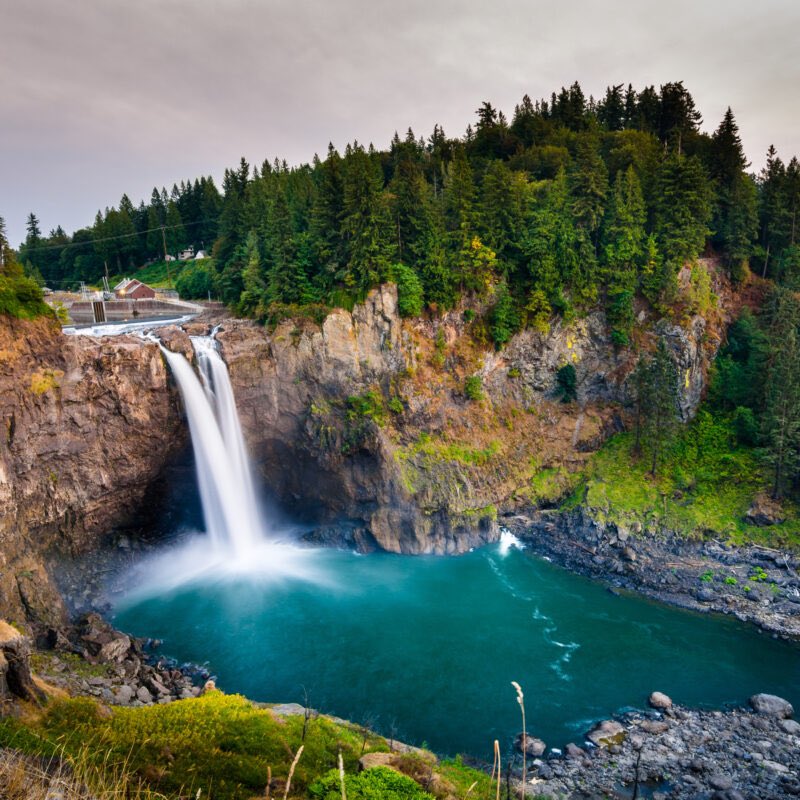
<point x="233" y="519"/>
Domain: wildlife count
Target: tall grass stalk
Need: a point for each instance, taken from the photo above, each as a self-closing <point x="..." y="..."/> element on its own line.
<point x="341" y="776"/>
<point x="291" y="772"/>
<point x="497" y="764"/>
<point x="521" y="701"/>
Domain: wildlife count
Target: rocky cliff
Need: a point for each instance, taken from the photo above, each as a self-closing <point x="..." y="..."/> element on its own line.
<point x="87" y="425"/>
<point x="369" y="418"/>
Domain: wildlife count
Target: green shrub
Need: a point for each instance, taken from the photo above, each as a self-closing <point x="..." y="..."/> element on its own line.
<point x="745" y="425"/>
<point x="195" y="280"/>
<point x="21" y="297"/>
<point x="410" y="294"/>
<point x="377" y="783"/>
<point x="473" y="388"/>
<point x="396" y="405"/>
<point x="567" y="384"/>
<point x="369" y="405"/>
<point x="504" y="319"/>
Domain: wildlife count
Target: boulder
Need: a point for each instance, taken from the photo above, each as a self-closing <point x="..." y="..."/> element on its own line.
<point x="789" y="726"/>
<point x="533" y="747"/>
<point x="573" y="751"/>
<point x="104" y="643"/>
<point x="765" y="511"/>
<point x="660" y="701"/>
<point x="607" y="733"/>
<point x="124" y="695"/>
<point x="143" y="695"/>
<point x="654" y="726"/>
<point x="15" y="666"/>
<point x="720" y="781"/>
<point x="771" y="705"/>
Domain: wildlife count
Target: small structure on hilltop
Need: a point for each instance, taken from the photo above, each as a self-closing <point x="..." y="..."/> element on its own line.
<point x="187" y="254"/>
<point x="201" y="254"/>
<point x="131" y="289"/>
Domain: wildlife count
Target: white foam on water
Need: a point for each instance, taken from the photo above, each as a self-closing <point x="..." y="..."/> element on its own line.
<point x="508" y="542"/>
<point x="119" y="329"/>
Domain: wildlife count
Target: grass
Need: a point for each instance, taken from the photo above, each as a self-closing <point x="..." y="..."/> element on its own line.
<point x="45" y="380"/>
<point x="154" y="275"/>
<point x="436" y="450"/>
<point x="704" y="486"/>
<point x="225" y="747"/>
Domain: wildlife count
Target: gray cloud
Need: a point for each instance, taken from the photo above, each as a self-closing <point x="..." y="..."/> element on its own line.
<point x="101" y="97"/>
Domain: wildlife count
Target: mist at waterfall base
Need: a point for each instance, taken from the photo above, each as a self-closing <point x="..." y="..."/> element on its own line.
<point x="424" y="648"/>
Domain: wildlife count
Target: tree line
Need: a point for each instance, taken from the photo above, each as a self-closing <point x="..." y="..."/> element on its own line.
<point x="575" y="201"/>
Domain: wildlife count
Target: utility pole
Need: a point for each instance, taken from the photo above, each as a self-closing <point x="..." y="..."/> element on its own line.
<point x="166" y="260"/>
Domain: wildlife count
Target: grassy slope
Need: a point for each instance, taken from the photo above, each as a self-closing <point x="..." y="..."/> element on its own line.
<point x="704" y="486"/>
<point x="221" y="744"/>
<point x="155" y="274"/>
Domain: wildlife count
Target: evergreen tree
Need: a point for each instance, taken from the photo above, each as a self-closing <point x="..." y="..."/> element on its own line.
<point x="734" y="220"/>
<point x="682" y="211"/>
<point x="781" y="417"/>
<point x="500" y="214"/>
<point x="253" y="281"/>
<point x="656" y="386"/>
<point x="588" y="183"/>
<point x="611" y="111"/>
<point x="287" y="281"/>
<point x="623" y="251"/>
<point x="326" y="224"/>
<point x="367" y="222"/>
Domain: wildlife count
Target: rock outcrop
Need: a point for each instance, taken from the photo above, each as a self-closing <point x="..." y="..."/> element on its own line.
<point x="87" y="425"/>
<point x="16" y="680"/>
<point x="365" y="418"/>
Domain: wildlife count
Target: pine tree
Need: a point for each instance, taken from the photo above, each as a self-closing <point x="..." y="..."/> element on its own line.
<point x="611" y="111"/>
<point x="500" y="214"/>
<point x="326" y="223"/>
<point x="588" y="183"/>
<point x="623" y="251"/>
<point x="253" y="282"/>
<point x="735" y="218"/>
<point x="682" y="209"/>
<point x="655" y="383"/>
<point x="781" y="416"/>
<point x="287" y="281"/>
<point x="367" y="222"/>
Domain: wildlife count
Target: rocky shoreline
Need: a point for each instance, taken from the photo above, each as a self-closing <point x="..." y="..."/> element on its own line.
<point x="676" y="753"/>
<point x="754" y="584"/>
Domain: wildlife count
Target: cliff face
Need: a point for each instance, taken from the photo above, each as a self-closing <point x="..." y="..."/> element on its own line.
<point x="367" y="416"/>
<point x="86" y="426"/>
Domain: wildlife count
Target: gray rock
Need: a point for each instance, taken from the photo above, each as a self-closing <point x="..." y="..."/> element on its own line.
<point x="654" y="726"/>
<point x="124" y="695"/>
<point x="606" y="733"/>
<point x="720" y="782"/>
<point x="660" y="701"/>
<point x="143" y="695"/>
<point x="771" y="705"/>
<point x="533" y="747"/>
<point x="789" y="726"/>
<point x="774" y="766"/>
<point x="573" y="751"/>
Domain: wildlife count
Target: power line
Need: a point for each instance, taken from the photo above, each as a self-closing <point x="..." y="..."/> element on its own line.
<point x="36" y="248"/>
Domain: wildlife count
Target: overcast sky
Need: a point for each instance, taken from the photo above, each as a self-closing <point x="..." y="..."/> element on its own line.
<point x="101" y="97"/>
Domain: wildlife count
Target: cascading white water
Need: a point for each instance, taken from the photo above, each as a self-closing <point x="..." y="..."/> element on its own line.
<point x="231" y="512"/>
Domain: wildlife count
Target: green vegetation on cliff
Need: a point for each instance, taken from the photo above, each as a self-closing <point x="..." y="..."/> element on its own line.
<point x="20" y="295"/>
